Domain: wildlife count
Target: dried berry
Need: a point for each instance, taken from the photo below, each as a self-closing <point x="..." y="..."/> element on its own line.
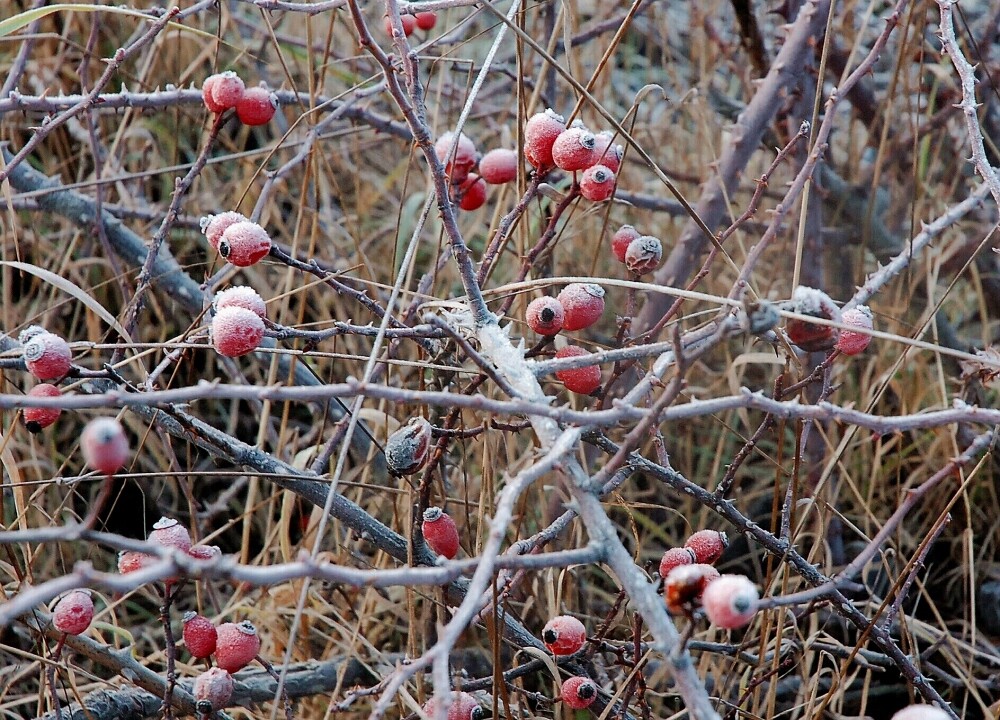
<point x="407" y="449"/>
<point x="643" y="254"/>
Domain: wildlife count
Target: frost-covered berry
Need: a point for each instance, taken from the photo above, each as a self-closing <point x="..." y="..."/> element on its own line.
<point x="236" y="645"/>
<point x="607" y="153"/>
<point x="408" y="21"/>
<point x="129" y="561"/>
<point x="810" y="336"/>
<point x="730" y="601"/>
<point x="545" y="315"/>
<point x="643" y="254"/>
<point x="597" y="183"/>
<point x="578" y="692"/>
<point x="540" y="133"/>
<point x="564" y="635"/>
<point x="683" y="586"/>
<point x="498" y="166"/>
<point x="675" y="557"/>
<point x="583" y="304"/>
<point x="37" y="419"/>
<point x="458" y="167"/>
<point x="583" y="380"/>
<point x="214" y="687"/>
<point x="257" y="106"/>
<point x="707" y="545"/>
<point x="407" y="449"/>
<point x="241" y="296"/>
<point x="440" y="532"/>
<point x="214" y="225"/>
<point x="29" y="332"/>
<point x="104" y="445"/>
<point x="244" y="243"/>
<point x="921" y="712"/>
<point x="463" y="707"/>
<point x="472" y="192"/>
<point x="851" y="342"/>
<point x="222" y="91"/>
<point x="47" y="356"/>
<point x="170" y="533"/>
<point x="574" y="149"/>
<point x="73" y="613"/>
<point x="205" y="552"/>
<point x="426" y="20"/>
<point x="199" y="635"/>
<point x="621" y="239"/>
<point x="236" y="331"/>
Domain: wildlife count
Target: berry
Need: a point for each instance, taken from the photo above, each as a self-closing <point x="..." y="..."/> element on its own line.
<point x="222" y="91"/>
<point x="199" y="635"/>
<point x="73" y="613"/>
<point x="675" y="557"/>
<point x="621" y="239"/>
<point x="578" y="692"/>
<point x="30" y="332"/>
<point x="583" y="380"/>
<point x="440" y="532"/>
<point x="205" y="552"/>
<point x="104" y="445"/>
<point x="456" y="168"/>
<point x="241" y="296"/>
<point x="564" y="635"/>
<point x="607" y="153"/>
<point x="707" y="545"/>
<point x="583" y="304"/>
<point x="214" y="225"/>
<point x="236" y="645"/>
<point x="257" y="106"/>
<point x="545" y="315"/>
<point x="810" y="336"/>
<point x="540" y="133"/>
<point x="129" y="561"/>
<point x="236" y="331"/>
<point x="850" y="342"/>
<point x="498" y="166"/>
<point x="730" y="601"/>
<point x="597" y="183"/>
<point x="407" y="449"/>
<point x="574" y="149"/>
<point x="37" y="419"/>
<point x="409" y="24"/>
<point x="426" y="20"/>
<point x="170" y="533"/>
<point x="214" y="688"/>
<point x="244" y="243"/>
<point x="472" y="192"/>
<point x="463" y="707"/>
<point x="921" y="712"/>
<point x="684" y="585"/>
<point x="47" y="356"/>
<point x="643" y="254"/>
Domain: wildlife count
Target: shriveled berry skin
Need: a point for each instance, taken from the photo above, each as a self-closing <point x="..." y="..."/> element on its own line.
<point x="574" y="149"/>
<point x="426" y="20"/>
<point x="675" y="557"/>
<point x="564" y="635"/>
<point x="104" y="445"/>
<point x="407" y="449"/>
<point x="850" y="342"/>
<point x="707" y="545"/>
<point x="607" y="153"/>
<point x="73" y="613"/>
<point x="498" y="166"/>
<point x="199" y="635"/>
<point x="643" y="254"/>
<point x="224" y="91"/>
<point x="408" y="21"/>
<point x="810" y="336"/>
<point x="583" y="380"/>
<point x="213" y="226"/>
<point x="440" y="532"/>
<point x="583" y="304"/>
<point x="213" y="687"/>
<point x="621" y="239"/>
<point x="244" y="243"/>
<point x="170" y="533"/>
<point x="257" y="106"/>
<point x="241" y="296"/>
<point x="540" y="133"/>
<point x="545" y="315"/>
<point x="472" y="192"/>
<point x="236" y="331"/>
<point x="236" y="645"/>
<point x="48" y="356"/>
<point x="578" y="692"/>
<point x="730" y="601"/>
<point x="458" y="167"/>
<point x="37" y="419"/>
<point x="463" y="707"/>
<point x="597" y="183"/>
<point x="684" y="585"/>
<point x="130" y="561"/>
<point x="921" y="712"/>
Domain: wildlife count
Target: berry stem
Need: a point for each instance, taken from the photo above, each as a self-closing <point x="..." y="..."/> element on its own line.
<point x="171" y="652"/>
<point x="50" y="674"/>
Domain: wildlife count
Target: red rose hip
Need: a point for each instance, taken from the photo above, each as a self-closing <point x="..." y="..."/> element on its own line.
<point x="236" y="645"/>
<point x="851" y="342"/>
<point x="564" y="635"/>
<point x="440" y="532"/>
<point x="597" y="183"/>
<point x="170" y="533"/>
<point x="236" y="331"/>
<point x="213" y="226"/>
<point x="621" y="239"/>
<point x="730" y="601"/>
<point x="545" y="315"/>
<point x="583" y="380"/>
<point x="47" y="356"/>
<point x="578" y="692"/>
<point x="73" y="613"/>
<point x="241" y="296"/>
<point x="244" y="243"/>
<point x="257" y="106"/>
<point x="583" y="304"/>
<point x="540" y="133"/>
<point x="675" y="557"/>
<point x="104" y="445"/>
<point x="199" y="635"/>
<point x="426" y="20"/>
<point x="707" y="545"/>
<point x="37" y="419"/>
<point x="498" y="166"/>
<point x="472" y="192"/>
<point x="574" y="149"/>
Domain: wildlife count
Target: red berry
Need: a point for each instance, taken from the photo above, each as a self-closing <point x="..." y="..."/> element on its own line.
<point x="199" y="635"/>
<point x="463" y="707"/>
<point x="621" y="239"/>
<point x="241" y="296"/>
<point x="408" y="21"/>
<point x="236" y="645"/>
<point x="440" y="532"/>
<point x="129" y="561"/>
<point x="47" y="356"/>
<point x="540" y="133"/>
<point x="730" y="601"/>
<point x="206" y="94"/>
<point x="257" y="106"/>
<point x="564" y="635"/>
<point x="597" y="183"/>
<point x="578" y="692"/>
<point x="607" y="153"/>
<point x="37" y="419"/>
<point x="244" y="243"/>
<point x="850" y="342"/>
<point x="236" y="331"/>
<point x="170" y="533"/>
<point x="498" y="166"/>
<point x="407" y="449"/>
<point x="545" y="315"/>
<point x="73" y="613"/>
<point x="675" y="557"/>
<point x="579" y="380"/>
<point x="214" y="225"/>
<point x="472" y="192"/>
<point x="222" y="91"/>
<point x="214" y="688"/>
<point x="104" y="445"/>
<point x="574" y="149"/>
<point x="205" y="552"/>
<point x="643" y="254"/>
<point x="457" y="168"/>
<point x="426" y="20"/>
<point x="683" y="586"/>
<point x="810" y="336"/>
<point x="583" y="304"/>
<point x="707" y="545"/>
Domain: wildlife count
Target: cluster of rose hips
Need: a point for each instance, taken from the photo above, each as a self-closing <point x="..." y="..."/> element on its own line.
<point x="564" y="635"/>
<point x="420" y="21"/>
<point x="576" y="307"/>
<point x="226" y="91"/>
<point x="813" y="337"/>
<point x="641" y="254"/>
<point x="548" y="142"/>
<point x="468" y="188"/>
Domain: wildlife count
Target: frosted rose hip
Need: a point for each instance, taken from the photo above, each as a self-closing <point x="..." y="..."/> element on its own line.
<point x="811" y="336"/>
<point x="730" y="601"/>
<point x="463" y="707"/>
<point x="607" y="153"/>
<point x="850" y="342"/>
<point x="683" y="586"/>
<point x="205" y="552"/>
<point x="457" y="167"/>
<point x="597" y="183"/>
<point x="675" y="557"/>
<point x="199" y="635"/>
<point x="105" y="446"/>
<point x="498" y="166"/>
<point x="257" y="106"/>
<point x="241" y="296"/>
<point x="621" y="239"/>
<point x="440" y="532"/>
<point x="540" y="133"/>
<point x="407" y="449"/>
<point x="578" y="692"/>
<point x="583" y="304"/>
<point x="564" y="635"/>
<point x="583" y="380"/>
<point x="213" y="687"/>
<point x="222" y="91"/>
<point x="545" y="315"/>
<point x="707" y="545"/>
<point x="47" y="356"/>
<point x="214" y="225"/>
<point x="129" y="561"/>
<point x="236" y="331"/>
<point x="170" y="533"/>
<point x="37" y="419"/>
<point x="73" y="613"/>
<point x="472" y="192"/>
<point x="244" y="243"/>
<point x="236" y="645"/>
<point x="643" y="254"/>
<point x="574" y="149"/>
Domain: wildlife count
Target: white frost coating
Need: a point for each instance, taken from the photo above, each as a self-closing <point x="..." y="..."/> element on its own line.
<point x="810" y="301"/>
